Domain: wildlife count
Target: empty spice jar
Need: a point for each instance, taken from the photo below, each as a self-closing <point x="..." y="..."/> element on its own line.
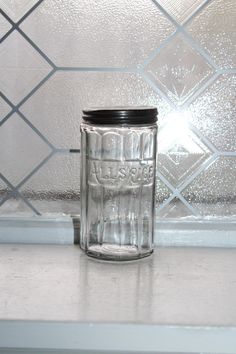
<point x="118" y="163"/>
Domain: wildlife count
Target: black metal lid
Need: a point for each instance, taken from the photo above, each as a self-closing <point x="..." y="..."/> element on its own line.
<point x="121" y="115"/>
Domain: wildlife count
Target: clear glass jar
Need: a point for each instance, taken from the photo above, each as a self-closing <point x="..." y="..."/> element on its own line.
<point x="118" y="162"/>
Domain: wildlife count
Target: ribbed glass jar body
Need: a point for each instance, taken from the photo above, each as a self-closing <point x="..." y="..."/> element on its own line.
<point x="118" y="190"/>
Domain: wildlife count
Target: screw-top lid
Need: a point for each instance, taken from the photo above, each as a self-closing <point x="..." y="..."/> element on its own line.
<point x="121" y="115"/>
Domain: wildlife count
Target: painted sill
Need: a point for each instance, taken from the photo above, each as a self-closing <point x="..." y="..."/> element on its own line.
<point x="65" y="230"/>
<point x="55" y="299"/>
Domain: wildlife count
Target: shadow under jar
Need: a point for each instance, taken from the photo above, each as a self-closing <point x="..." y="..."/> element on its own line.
<point x="118" y="163"/>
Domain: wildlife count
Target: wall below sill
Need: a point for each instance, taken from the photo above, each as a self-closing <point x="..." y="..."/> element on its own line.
<point x="65" y="230"/>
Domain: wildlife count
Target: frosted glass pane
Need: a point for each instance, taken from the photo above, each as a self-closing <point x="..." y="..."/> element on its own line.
<point x="21" y="67"/>
<point x="4" y="26"/>
<point x="93" y="44"/>
<point x="214" y="113"/>
<point x="175" y="209"/>
<point x="4" y="190"/>
<point x="56" y="108"/>
<point x="213" y="192"/>
<point x="13" y="205"/>
<point x="4" y="109"/>
<point x="214" y="28"/>
<point x="21" y="149"/>
<point x="162" y="192"/>
<point x="179" y="70"/>
<point x="102" y="33"/>
<point x="181" y="152"/>
<point x="15" y="9"/>
<point x="55" y="186"/>
<point x="181" y="10"/>
<point x="16" y="206"/>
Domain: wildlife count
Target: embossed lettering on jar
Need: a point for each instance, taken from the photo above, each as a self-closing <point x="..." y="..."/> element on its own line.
<point x="118" y="158"/>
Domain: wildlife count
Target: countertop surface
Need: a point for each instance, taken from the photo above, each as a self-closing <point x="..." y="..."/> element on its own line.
<point x="175" y="286"/>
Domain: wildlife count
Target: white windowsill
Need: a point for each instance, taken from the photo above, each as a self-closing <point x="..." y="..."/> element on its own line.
<point x="61" y="230"/>
<point x="180" y="300"/>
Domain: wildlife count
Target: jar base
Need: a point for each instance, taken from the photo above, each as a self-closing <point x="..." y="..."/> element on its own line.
<point x="111" y="252"/>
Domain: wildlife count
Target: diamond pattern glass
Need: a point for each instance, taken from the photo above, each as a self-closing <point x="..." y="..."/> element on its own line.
<point x="54" y="187"/>
<point x="118" y="53"/>
<point x="214" y="28"/>
<point x="181" y="10"/>
<point x="21" y="67"/>
<point x="123" y="37"/>
<point x="4" y="26"/>
<point x="181" y="152"/>
<point x="175" y="209"/>
<point x="4" y="108"/>
<point x="15" y="9"/>
<point x="214" y="113"/>
<point x="4" y="190"/>
<point x="162" y="192"/>
<point x="21" y="149"/>
<point x="60" y="101"/>
<point x="179" y="70"/>
<point x="213" y="192"/>
<point x="15" y="206"/>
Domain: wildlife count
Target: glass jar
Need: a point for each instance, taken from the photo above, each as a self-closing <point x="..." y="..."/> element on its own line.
<point x="118" y="163"/>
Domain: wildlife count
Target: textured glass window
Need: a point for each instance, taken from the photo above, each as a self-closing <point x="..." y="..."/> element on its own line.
<point x="57" y="57"/>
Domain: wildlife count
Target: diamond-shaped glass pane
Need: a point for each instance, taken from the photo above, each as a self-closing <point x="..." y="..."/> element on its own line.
<point x="4" y="108"/>
<point x="213" y="192"/>
<point x="179" y="70"/>
<point x="181" y="10"/>
<point x="4" y="190"/>
<point x="15" y="9"/>
<point x="59" y="102"/>
<point x="174" y="210"/>
<point x="22" y="67"/>
<point x="214" y="113"/>
<point x="15" y="206"/>
<point x="55" y="186"/>
<point x="101" y="33"/>
<point x="214" y="29"/>
<point x="5" y="26"/>
<point x="162" y="192"/>
<point x="21" y="149"/>
<point x="181" y="152"/>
